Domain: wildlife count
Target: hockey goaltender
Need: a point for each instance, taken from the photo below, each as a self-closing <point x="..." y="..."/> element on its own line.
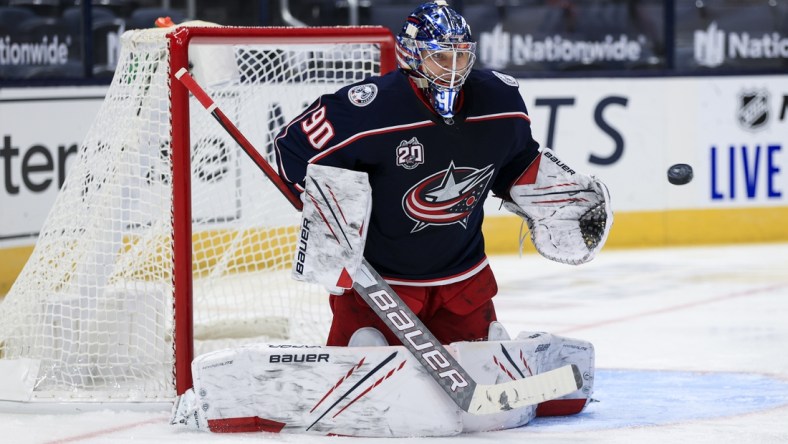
<point x="392" y="172"/>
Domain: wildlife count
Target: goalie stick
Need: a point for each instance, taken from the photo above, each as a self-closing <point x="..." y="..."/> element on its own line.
<point x="478" y="399"/>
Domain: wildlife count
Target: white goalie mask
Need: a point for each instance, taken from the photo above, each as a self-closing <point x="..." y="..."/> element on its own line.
<point x="435" y="46"/>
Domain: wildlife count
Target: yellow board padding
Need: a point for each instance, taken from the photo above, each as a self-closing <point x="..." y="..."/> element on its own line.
<point x="217" y="252"/>
<point x="253" y="249"/>
<point x="149" y="258"/>
<point x="12" y="260"/>
<point x="256" y="248"/>
<point x="663" y="228"/>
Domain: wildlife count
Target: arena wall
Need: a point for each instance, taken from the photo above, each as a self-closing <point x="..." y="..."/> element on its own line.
<point x="733" y="130"/>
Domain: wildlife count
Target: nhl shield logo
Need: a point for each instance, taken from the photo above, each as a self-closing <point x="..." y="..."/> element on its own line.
<point x="410" y="154"/>
<point x="753" y="111"/>
<point x="362" y="95"/>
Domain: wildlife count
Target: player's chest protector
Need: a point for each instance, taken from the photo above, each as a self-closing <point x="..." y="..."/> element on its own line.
<point x="437" y="174"/>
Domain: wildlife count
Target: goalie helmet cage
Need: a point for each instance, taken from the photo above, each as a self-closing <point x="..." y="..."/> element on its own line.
<point x="165" y="238"/>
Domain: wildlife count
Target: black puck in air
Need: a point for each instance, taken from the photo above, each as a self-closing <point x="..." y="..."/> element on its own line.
<point x="680" y="174"/>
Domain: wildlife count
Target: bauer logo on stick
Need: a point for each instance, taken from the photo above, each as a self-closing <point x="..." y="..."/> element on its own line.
<point x="432" y="354"/>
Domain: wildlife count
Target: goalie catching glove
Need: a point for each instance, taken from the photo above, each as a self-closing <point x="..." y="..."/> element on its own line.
<point x="334" y="222"/>
<point x="568" y="213"/>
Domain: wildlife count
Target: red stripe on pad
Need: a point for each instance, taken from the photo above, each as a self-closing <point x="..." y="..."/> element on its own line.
<point x="561" y="407"/>
<point x="243" y="425"/>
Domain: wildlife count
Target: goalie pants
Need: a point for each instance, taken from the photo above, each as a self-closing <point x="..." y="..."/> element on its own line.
<point x="461" y="311"/>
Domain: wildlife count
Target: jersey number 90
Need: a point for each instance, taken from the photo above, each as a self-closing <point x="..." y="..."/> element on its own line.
<point x="317" y="129"/>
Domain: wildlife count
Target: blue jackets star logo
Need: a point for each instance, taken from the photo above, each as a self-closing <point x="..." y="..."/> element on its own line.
<point x="446" y="197"/>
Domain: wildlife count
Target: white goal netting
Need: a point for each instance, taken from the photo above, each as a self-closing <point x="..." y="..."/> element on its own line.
<point x="90" y="318"/>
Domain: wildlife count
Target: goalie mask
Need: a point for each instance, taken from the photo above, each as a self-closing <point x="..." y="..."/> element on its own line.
<point x="435" y="46"/>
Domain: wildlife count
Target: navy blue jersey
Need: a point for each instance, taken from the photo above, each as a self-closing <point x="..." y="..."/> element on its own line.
<point x="429" y="177"/>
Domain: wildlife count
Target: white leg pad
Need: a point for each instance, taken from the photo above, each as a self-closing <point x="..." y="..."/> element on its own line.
<point x="354" y="391"/>
<point x="364" y="391"/>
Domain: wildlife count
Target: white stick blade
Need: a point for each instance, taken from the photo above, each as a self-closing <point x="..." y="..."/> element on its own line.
<point x="494" y="398"/>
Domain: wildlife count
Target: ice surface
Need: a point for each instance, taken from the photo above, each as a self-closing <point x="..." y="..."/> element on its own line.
<point x="691" y="343"/>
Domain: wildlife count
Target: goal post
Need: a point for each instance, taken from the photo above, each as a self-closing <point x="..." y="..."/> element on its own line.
<point x="165" y="240"/>
<point x="179" y="42"/>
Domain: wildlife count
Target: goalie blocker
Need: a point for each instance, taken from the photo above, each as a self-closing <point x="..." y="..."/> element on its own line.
<point x="334" y="221"/>
<point x="568" y="213"/>
<point x="368" y="391"/>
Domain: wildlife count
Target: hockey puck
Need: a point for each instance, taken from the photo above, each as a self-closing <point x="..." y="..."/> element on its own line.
<point x="680" y="174"/>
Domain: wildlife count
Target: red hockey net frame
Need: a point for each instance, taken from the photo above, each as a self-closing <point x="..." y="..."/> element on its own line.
<point x="179" y="42"/>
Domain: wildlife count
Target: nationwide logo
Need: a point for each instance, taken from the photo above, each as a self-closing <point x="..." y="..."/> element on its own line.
<point x="446" y="197"/>
<point x="709" y="46"/>
<point x="713" y="46"/>
<point x="498" y="49"/>
<point x="49" y="51"/>
<point x="753" y="113"/>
